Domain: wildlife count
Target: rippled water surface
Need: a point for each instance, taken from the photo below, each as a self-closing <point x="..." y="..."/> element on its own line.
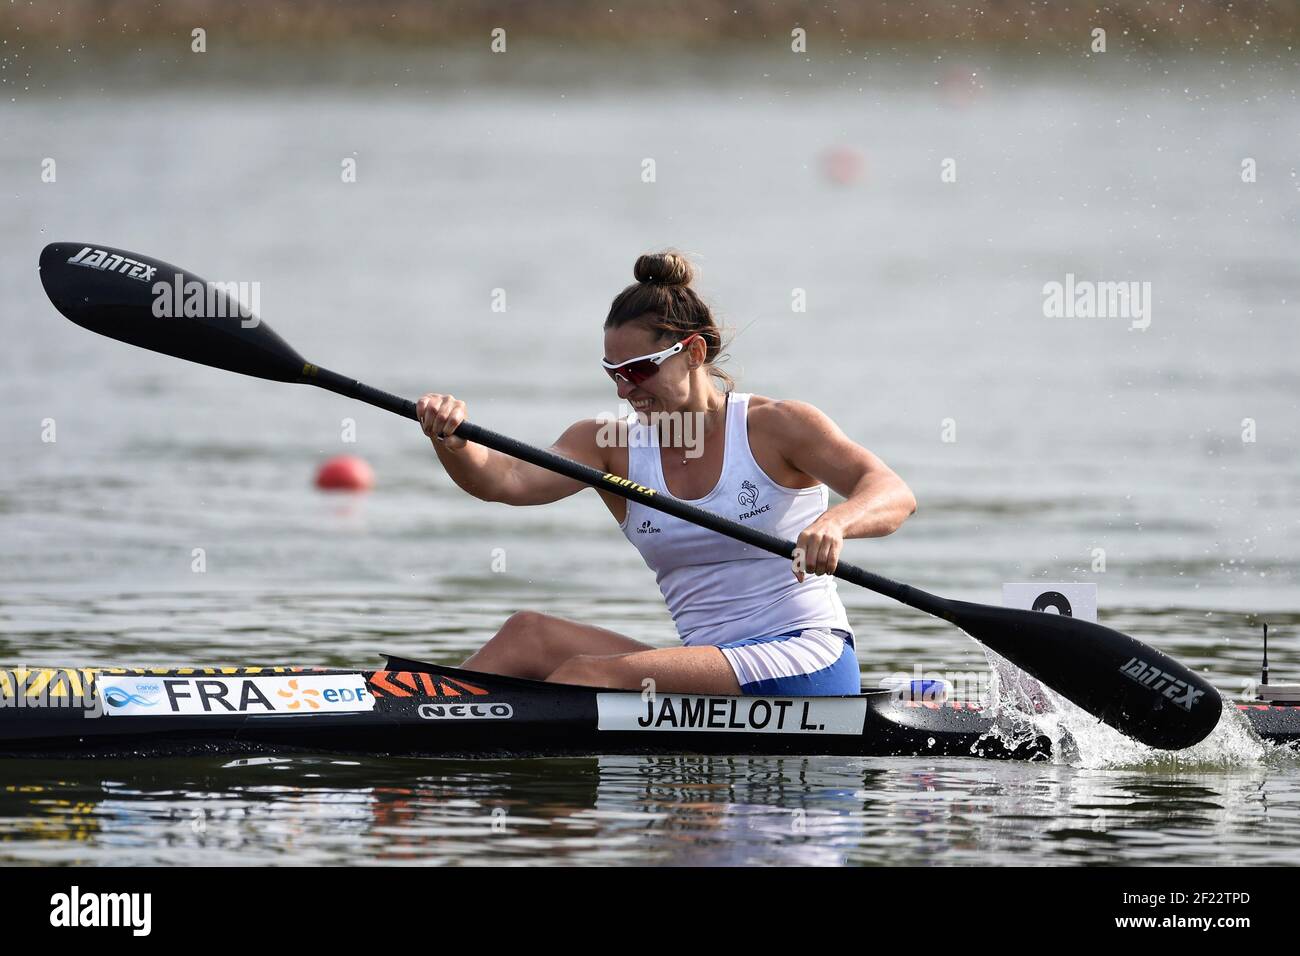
<point x="650" y="810"/>
<point x="1075" y="438"/>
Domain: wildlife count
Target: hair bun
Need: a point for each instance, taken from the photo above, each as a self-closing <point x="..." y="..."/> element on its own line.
<point x="664" y="268"/>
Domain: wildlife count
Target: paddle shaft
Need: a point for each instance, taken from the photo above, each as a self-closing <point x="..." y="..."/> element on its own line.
<point x="615" y="484"/>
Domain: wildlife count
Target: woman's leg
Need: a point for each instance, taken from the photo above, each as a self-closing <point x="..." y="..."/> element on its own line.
<point x="672" y="670"/>
<point x="532" y="645"/>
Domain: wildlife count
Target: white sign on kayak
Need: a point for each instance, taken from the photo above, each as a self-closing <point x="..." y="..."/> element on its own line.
<point x="286" y="695"/>
<point x="747" y="715"/>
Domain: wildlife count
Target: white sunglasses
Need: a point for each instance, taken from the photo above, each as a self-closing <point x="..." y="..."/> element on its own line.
<point x="637" y="370"/>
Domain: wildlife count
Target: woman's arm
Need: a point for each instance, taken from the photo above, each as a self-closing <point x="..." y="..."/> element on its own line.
<point x="876" y="501"/>
<point x="492" y="476"/>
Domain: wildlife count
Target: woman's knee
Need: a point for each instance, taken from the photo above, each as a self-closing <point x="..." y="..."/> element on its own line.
<point x="525" y="632"/>
<point x="520" y="647"/>
<point x="509" y="646"/>
<point x="523" y="623"/>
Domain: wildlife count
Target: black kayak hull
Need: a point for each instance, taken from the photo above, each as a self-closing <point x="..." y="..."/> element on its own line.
<point x="411" y="708"/>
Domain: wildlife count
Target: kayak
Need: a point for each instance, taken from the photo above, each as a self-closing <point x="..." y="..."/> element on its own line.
<point x="412" y="708"/>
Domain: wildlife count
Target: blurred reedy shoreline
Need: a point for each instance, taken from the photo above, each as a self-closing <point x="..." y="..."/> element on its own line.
<point x="1193" y="26"/>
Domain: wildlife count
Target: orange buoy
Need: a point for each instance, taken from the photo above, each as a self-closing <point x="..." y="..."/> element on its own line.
<point x="345" y="473"/>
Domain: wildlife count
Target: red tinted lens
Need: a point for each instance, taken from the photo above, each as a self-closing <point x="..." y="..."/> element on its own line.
<point x="635" y="372"/>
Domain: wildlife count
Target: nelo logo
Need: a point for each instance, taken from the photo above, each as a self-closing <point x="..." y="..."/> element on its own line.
<point x="466" y="711"/>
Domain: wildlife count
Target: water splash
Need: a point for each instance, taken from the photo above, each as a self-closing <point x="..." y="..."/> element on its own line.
<point x="1023" y="709"/>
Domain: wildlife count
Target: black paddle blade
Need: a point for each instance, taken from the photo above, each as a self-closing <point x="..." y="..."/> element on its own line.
<point x="1136" y="689"/>
<point x="157" y="306"/>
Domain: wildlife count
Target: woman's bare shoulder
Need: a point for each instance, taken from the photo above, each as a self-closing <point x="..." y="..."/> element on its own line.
<point x="783" y="414"/>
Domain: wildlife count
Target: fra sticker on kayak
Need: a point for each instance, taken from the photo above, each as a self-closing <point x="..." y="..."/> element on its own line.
<point x="747" y="715"/>
<point x="221" y="696"/>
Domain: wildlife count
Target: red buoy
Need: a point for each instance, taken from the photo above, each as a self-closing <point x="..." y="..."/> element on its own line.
<point x="345" y="473"/>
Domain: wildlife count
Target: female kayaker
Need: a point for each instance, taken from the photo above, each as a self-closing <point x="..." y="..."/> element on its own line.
<point x="749" y="622"/>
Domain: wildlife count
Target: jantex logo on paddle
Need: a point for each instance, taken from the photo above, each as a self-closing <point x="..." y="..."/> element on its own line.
<point x="1148" y="675"/>
<point x="105" y="261"/>
<point x="200" y="696"/>
<point x="622" y="482"/>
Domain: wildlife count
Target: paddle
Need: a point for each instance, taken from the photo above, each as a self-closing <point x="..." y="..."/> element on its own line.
<point x="1134" y="688"/>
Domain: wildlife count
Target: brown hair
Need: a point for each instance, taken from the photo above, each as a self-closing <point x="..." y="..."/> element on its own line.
<point x="663" y="301"/>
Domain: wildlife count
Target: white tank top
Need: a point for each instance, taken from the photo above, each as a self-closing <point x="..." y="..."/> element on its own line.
<point x="718" y="589"/>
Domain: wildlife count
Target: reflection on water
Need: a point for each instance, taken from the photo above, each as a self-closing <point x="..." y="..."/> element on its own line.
<point x="663" y="811"/>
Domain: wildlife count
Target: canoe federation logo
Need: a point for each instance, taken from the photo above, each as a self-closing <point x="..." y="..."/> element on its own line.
<point x="284" y="696"/>
<point x="1151" y="676"/>
<point x="143" y="695"/>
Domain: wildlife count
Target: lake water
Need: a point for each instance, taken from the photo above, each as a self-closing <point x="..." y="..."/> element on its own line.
<point x="925" y="319"/>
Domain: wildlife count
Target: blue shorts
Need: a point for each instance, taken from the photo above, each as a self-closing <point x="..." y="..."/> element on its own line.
<point x="811" y="662"/>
